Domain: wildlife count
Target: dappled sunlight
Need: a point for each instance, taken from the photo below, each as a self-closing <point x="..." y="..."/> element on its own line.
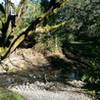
<point x="48" y="28"/>
<point x="50" y="49"/>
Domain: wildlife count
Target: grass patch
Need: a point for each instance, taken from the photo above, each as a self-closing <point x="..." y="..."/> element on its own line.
<point x="8" y="95"/>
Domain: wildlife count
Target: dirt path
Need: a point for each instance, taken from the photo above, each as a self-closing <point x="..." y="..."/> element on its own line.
<point x="30" y="68"/>
<point x="41" y="91"/>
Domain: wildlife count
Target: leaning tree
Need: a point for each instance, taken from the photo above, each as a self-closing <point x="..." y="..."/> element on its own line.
<point x="12" y="34"/>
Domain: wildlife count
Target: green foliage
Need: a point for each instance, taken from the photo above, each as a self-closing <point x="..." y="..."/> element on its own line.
<point x="85" y="29"/>
<point x="93" y="74"/>
<point x="33" y="11"/>
<point x="80" y="33"/>
<point x="48" y="42"/>
<point x="8" y="95"/>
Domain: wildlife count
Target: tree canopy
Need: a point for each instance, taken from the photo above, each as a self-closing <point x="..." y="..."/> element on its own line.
<point x="70" y="26"/>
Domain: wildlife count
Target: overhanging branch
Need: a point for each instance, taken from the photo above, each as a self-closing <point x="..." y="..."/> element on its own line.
<point x="31" y="27"/>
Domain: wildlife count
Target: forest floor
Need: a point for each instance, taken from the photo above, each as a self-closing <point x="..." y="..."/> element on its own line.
<point x="50" y="91"/>
<point x="28" y="73"/>
<point x="45" y="91"/>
